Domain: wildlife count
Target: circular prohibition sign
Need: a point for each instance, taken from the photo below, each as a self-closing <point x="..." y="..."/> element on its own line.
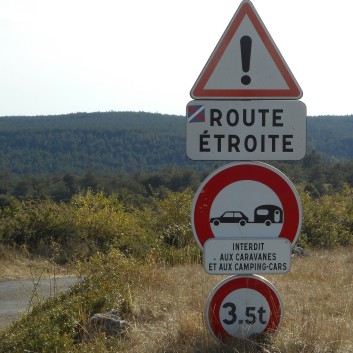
<point x="241" y="306"/>
<point x="258" y="173"/>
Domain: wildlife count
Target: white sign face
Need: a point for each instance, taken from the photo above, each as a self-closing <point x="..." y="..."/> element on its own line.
<point x="258" y="315"/>
<point x="241" y="306"/>
<point x="247" y="256"/>
<point x="246" y="130"/>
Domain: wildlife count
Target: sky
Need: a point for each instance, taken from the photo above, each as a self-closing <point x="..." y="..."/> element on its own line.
<point x="68" y="56"/>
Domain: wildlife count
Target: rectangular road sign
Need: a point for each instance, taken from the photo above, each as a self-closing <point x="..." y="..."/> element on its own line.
<point x="247" y="256"/>
<point x="246" y="130"/>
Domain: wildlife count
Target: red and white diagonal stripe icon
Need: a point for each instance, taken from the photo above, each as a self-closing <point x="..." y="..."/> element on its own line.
<point x="196" y="113"/>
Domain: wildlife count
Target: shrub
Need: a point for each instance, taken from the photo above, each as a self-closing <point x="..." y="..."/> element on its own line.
<point x="328" y="221"/>
<point x="173" y="219"/>
<point x="91" y="222"/>
<point x="102" y="222"/>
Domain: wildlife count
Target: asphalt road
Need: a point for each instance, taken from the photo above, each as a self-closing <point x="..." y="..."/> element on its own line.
<point x="16" y="295"/>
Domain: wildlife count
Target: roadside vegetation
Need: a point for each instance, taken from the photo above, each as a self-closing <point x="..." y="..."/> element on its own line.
<point x="142" y="260"/>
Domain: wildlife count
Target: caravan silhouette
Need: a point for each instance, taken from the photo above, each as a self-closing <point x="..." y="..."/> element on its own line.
<point x="267" y="214"/>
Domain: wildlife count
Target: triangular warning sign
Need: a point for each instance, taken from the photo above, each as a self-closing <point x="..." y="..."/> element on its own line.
<point x="246" y="64"/>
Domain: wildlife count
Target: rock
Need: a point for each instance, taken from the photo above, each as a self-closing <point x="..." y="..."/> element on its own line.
<point x="298" y="252"/>
<point x="110" y="323"/>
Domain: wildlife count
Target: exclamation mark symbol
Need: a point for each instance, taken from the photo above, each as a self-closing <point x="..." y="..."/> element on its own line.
<point x="245" y="48"/>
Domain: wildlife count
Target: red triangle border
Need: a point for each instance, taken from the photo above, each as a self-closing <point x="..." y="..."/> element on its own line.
<point x="199" y="90"/>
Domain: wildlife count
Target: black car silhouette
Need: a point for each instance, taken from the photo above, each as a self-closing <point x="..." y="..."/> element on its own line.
<point x="230" y="217"/>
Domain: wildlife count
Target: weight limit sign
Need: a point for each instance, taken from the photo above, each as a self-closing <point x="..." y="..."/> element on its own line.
<point x="241" y="306"/>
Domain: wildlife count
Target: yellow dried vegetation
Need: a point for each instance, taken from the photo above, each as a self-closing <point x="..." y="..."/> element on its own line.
<point x="168" y="309"/>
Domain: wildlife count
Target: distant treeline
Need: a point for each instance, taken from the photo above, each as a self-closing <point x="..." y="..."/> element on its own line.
<point x="317" y="176"/>
<point x="113" y="142"/>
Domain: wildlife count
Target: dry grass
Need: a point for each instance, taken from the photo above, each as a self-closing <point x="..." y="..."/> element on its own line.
<point x="317" y="295"/>
<point x="318" y="299"/>
<point x="166" y="310"/>
<point x="17" y="265"/>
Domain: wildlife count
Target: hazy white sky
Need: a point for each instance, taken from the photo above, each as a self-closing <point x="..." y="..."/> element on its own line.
<point x="98" y="55"/>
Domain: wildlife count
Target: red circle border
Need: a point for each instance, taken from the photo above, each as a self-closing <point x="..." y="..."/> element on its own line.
<point x="231" y="173"/>
<point x="232" y="284"/>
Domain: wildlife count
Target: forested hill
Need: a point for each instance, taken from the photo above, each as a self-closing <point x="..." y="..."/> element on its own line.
<point x="128" y="141"/>
<point x="331" y="136"/>
<point x="104" y="142"/>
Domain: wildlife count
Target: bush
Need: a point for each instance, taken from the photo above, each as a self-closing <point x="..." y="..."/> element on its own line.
<point x="91" y="222"/>
<point x="172" y="221"/>
<point x="102" y="222"/>
<point x="328" y="221"/>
